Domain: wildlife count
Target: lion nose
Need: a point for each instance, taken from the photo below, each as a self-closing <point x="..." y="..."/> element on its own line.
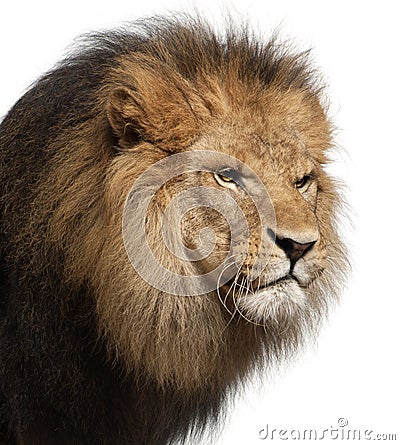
<point x="293" y="249"/>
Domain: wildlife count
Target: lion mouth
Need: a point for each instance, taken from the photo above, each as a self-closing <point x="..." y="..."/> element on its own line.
<point x="276" y="281"/>
<point x="258" y="285"/>
<point x="254" y="286"/>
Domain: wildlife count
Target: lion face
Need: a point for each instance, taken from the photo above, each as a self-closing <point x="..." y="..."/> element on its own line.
<point x="276" y="264"/>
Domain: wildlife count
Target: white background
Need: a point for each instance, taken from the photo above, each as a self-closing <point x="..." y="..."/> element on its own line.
<point x="353" y="372"/>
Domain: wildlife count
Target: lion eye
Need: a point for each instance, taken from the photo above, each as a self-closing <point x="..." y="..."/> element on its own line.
<point x="304" y="182"/>
<point x="224" y="178"/>
<point x="225" y="181"/>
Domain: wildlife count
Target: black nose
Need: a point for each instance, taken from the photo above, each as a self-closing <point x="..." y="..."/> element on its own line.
<point x="293" y="249"/>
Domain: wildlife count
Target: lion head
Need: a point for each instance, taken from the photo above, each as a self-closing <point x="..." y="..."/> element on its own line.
<point x="242" y="106"/>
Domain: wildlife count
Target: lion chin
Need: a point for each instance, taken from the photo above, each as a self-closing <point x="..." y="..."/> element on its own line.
<point x="281" y="300"/>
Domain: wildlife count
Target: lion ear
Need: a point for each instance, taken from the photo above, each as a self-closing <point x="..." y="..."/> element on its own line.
<point x="158" y="106"/>
<point x="122" y="113"/>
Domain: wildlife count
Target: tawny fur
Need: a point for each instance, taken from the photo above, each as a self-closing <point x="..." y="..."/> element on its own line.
<point x="168" y="86"/>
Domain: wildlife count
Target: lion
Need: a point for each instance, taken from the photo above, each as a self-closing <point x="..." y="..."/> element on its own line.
<point x="168" y="229"/>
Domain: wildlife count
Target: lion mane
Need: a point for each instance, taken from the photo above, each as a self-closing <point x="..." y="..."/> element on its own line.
<point x="91" y="353"/>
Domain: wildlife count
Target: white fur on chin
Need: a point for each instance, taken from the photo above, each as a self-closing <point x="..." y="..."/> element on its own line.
<point x="280" y="300"/>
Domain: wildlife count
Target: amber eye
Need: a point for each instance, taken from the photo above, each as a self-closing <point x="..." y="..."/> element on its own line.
<point x="303" y="183"/>
<point x="224" y="180"/>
